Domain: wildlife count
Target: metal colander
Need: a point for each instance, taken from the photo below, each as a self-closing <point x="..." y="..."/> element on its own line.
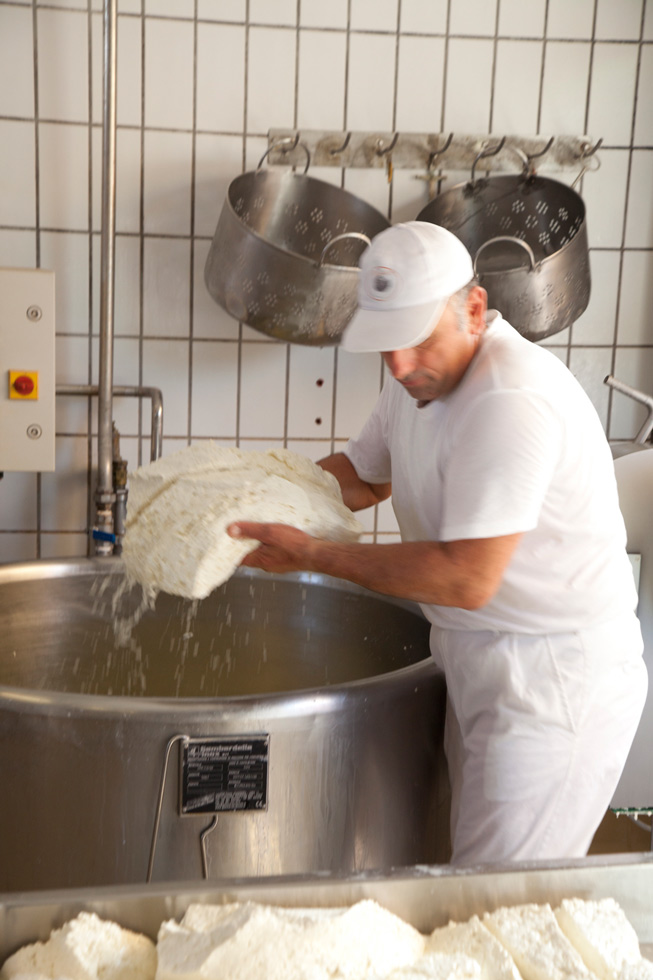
<point x="284" y="257"/>
<point x="528" y="238"/>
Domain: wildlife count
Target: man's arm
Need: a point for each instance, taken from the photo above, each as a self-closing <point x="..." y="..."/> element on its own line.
<point x="356" y="493"/>
<point x="463" y="573"/>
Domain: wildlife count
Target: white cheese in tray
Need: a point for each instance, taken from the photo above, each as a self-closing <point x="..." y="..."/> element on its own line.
<point x="257" y="942"/>
<point x="642" y="970"/>
<point x="601" y="933"/>
<point x="473" y="939"/>
<point x="179" y="509"/>
<point x="535" y="941"/>
<point x="86" y="948"/>
<point x="440" y="966"/>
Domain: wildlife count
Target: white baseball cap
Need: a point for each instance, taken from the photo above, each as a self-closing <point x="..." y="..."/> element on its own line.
<point x="408" y="273"/>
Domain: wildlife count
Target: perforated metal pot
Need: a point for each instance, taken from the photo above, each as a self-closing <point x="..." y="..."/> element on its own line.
<point x="284" y="257"/>
<point x="528" y="238"/>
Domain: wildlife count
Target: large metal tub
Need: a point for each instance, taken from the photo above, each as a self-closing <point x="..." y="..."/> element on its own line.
<point x="338" y="680"/>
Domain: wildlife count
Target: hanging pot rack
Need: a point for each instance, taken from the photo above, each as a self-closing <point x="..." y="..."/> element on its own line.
<point x="431" y="152"/>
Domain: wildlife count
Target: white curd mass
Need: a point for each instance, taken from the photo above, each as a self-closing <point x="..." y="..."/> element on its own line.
<point x="250" y="941"/>
<point x="179" y="509"/>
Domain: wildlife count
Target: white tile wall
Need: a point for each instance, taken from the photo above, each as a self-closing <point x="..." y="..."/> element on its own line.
<point x="614" y="71"/>
<point x="270" y="78"/>
<point x="619" y="21"/>
<point x="263" y="385"/>
<point x="564" y="88"/>
<point x="168" y="174"/>
<point x="518" y="19"/>
<point x="215" y="389"/>
<point x="63" y="65"/>
<point x="199" y="86"/>
<point x="370" y="95"/>
<point x="68" y="256"/>
<point x="597" y="324"/>
<point x="64" y="176"/>
<point x="220" y="77"/>
<point x="570" y="20"/>
<point x="421" y="69"/>
<point x="16" y="62"/>
<point x="473" y="17"/>
<point x="639" y="216"/>
<point x="321" y="80"/>
<point x="17" y="174"/>
<point x="18" y="547"/>
<point x="420" y="18"/>
<point x="128" y="181"/>
<point x="316" y="13"/>
<point x="644" y="114"/>
<point x="469" y="85"/>
<point x="517" y="86"/>
<point x="168" y="73"/>
<point x="129" y="75"/>
<point x="19" y="503"/>
<point x="373" y="15"/>
<point x="310" y="392"/>
<point x="166" y="287"/>
<point x="634" y="324"/>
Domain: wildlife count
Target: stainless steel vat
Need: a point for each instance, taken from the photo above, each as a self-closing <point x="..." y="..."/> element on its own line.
<point x="339" y="680"/>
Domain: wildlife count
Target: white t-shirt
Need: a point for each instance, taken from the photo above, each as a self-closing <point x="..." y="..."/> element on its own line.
<point x="516" y="447"/>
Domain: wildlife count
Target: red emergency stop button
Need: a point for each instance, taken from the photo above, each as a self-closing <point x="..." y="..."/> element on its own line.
<point x="23" y="384"/>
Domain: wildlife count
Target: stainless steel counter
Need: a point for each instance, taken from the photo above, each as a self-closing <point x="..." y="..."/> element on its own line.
<point x="426" y="896"/>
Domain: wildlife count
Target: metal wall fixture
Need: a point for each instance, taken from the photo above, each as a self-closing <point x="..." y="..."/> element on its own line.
<point x="108" y="537"/>
<point x="431" y="152"/>
<point x="642" y="439"/>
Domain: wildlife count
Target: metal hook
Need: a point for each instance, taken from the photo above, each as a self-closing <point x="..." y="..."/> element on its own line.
<point x="528" y="169"/>
<point x="287" y="146"/>
<point x="589" y="151"/>
<point x="344" y="146"/>
<point x="378" y="149"/>
<point x="437" y="153"/>
<point x="488" y="152"/>
<point x="534" y="156"/>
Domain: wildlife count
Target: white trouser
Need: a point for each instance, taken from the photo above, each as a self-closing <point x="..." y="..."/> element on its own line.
<point x="537" y="734"/>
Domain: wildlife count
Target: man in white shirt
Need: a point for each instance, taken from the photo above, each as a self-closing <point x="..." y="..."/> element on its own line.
<point x="512" y="541"/>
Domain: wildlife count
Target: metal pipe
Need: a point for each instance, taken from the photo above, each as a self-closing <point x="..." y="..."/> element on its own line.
<point x="130" y="391"/>
<point x="104" y="495"/>
<point x="638" y="396"/>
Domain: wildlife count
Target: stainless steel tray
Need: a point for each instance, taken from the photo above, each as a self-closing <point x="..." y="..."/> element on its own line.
<point x="426" y="896"/>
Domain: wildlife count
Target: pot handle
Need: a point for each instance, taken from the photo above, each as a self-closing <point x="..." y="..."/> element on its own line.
<point x="291" y="144"/>
<point x="507" y="238"/>
<point x="339" y="238"/>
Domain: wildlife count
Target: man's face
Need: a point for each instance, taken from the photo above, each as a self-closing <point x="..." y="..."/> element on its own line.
<point x="436" y="366"/>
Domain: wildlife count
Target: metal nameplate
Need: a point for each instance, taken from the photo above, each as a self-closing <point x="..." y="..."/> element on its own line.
<point x="219" y="775"/>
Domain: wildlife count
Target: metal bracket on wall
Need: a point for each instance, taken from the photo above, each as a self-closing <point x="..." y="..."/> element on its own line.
<point x="428" y="151"/>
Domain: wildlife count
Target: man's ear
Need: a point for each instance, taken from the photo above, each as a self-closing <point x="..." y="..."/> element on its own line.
<point x="476" y="307"/>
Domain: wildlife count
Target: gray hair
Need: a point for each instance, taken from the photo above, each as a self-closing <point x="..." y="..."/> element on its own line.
<point x="458" y="302"/>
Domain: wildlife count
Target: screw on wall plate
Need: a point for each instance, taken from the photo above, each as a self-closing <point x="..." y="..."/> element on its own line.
<point x="34" y="431"/>
<point x="34" y="313"/>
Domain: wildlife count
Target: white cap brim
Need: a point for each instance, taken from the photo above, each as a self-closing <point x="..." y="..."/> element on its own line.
<point x="386" y="330"/>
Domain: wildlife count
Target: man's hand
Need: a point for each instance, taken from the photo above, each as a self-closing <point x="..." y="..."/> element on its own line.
<point x="282" y="549"/>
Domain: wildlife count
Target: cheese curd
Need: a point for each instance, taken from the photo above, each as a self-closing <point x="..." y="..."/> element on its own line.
<point x="179" y="509"/>
<point x="250" y="941"/>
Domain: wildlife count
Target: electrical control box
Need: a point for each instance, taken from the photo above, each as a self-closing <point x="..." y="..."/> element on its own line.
<point x="27" y="378"/>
